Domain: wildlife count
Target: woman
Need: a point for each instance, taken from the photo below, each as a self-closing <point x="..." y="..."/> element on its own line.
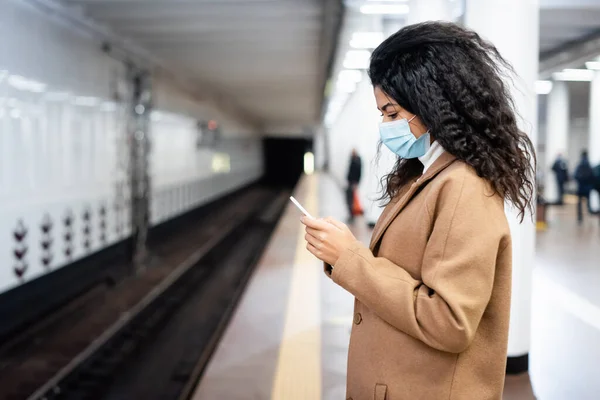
<point x="432" y="292"/>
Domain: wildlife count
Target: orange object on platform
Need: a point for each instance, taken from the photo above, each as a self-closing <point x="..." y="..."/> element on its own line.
<point x="356" y="206"/>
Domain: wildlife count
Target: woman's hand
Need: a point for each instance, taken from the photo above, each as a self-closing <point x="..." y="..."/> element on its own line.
<point x="327" y="238"/>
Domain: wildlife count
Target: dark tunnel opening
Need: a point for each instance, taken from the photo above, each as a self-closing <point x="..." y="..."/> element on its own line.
<point x="284" y="160"/>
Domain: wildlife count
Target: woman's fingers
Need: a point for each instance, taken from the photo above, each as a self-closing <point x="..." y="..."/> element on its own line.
<point x="321" y="235"/>
<point x="315" y="241"/>
<point x="335" y="223"/>
<point x="314" y="251"/>
<point x="314" y="223"/>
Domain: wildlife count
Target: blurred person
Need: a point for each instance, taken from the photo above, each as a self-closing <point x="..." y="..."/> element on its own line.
<point x="432" y="292"/>
<point x="584" y="175"/>
<point x="354" y="174"/>
<point x="561" y="173"/>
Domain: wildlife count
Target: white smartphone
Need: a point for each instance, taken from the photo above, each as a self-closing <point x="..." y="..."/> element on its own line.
<point x="300" y="207"/>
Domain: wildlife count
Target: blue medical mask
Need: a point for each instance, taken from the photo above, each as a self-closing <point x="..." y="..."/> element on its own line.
<point x="396" y="135"/>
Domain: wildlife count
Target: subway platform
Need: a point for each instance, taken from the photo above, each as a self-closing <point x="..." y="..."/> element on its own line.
<point x="289" y="336"/>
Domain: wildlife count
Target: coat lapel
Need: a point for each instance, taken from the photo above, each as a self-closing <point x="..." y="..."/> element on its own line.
<point x="395" y="208"/>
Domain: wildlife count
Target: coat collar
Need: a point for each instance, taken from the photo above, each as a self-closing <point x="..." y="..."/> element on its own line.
<point x="386" y="219"/>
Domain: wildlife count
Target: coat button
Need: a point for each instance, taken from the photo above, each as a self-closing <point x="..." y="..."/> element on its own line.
<point x="357" y="318"/>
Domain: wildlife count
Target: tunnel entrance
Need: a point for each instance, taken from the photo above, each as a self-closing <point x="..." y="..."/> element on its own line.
<point x="284" y="160"/>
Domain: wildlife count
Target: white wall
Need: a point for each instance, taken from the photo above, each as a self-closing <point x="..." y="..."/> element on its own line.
<point x="169" y="97"/>
<point x="357" y="127"/>
<point x="61" y="146"/>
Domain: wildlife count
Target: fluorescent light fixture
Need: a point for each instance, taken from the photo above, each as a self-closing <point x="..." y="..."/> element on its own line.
<point x="357" y="59"/>
<point x="335" y="106"/>
<point x="57" y="96"/>
<point x="350" y="75"/>
<point x="384" y="9"/>
<point x="347" y="87"/>
<point x="356" y="64"/>
<point x="21" y="83"/>
<point x="543" y="87"/>
<point x="594" y="65"/>
<point x="108" y="106"/>
<point x="86" y="101"/>
<point x="156" y="116"/>
<point x="347" y="80"/>
<point x="577" y="75"/>
<point x="221" y="163"/>
<point x="309" y="163"/>
<point x="366" y="40"/>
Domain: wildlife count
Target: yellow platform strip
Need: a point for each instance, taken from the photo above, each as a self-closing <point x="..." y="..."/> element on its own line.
<point x="298" y="374"/>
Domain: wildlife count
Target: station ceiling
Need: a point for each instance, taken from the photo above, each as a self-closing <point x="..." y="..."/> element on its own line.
<point x="563" y="22"/>
<point x="270" y="57"/>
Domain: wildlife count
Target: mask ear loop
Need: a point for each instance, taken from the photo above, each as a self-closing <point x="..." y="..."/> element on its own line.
<point x="413" y="117"/>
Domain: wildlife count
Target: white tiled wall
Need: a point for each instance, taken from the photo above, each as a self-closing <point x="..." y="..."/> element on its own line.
<point x="60" y="132"/>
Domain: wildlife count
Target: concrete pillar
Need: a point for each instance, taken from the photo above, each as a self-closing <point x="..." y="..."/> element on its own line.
<point x="513" y="26"/>
<point x="594" y="140"/>
<point x="594" y="146"/>
<point x="556" y="135"/>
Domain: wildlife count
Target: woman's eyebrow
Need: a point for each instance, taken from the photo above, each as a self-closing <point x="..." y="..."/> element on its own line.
<point x="386" y="106"/>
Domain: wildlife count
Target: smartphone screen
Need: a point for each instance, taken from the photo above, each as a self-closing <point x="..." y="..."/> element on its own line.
<point x="300" y="207"/>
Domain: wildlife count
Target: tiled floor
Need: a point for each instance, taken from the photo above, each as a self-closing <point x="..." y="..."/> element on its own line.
<point x="565" y="341"/>
<point x="565" y="354"/>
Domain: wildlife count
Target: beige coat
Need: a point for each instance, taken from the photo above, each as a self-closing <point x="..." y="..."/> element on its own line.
<point x="432" y="292"/>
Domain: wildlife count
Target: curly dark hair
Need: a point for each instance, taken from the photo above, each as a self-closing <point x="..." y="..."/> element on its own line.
<point x="453" y="80"/>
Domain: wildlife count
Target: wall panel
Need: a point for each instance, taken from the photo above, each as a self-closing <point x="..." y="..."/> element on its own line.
<point x="63" y="179"/>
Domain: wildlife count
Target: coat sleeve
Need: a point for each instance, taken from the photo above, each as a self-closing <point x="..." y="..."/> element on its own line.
<point x="444" y="309"/>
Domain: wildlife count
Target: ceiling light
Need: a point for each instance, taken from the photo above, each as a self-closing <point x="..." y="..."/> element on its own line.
<point x="29" y="85"/>
<point x="350" y="75"/>
<point x="357" y="59"/>
<point x="578" y="75"/>
<point x="346" y="86"/>
<point x="221" y="162"/>
<point x="108" y="106"/>
<point x="384" y="9"/>
<point x="57" y="96"/>
<point x="309" y="163"/>
<point x="366" y="40"/>
<point x="156" y="116"/>
<point x="543" y="87"/>
<point x="595" y="65"/>
<point x="86" y="101"/>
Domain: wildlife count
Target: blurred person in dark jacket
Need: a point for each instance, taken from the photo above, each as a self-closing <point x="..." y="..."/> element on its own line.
<point x="354" y="174"/>
<point x="584" y="175"/>
<point x="561" y="172"/>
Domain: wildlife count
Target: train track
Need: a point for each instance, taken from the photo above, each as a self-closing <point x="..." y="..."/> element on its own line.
<point x="75" y="363"/>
